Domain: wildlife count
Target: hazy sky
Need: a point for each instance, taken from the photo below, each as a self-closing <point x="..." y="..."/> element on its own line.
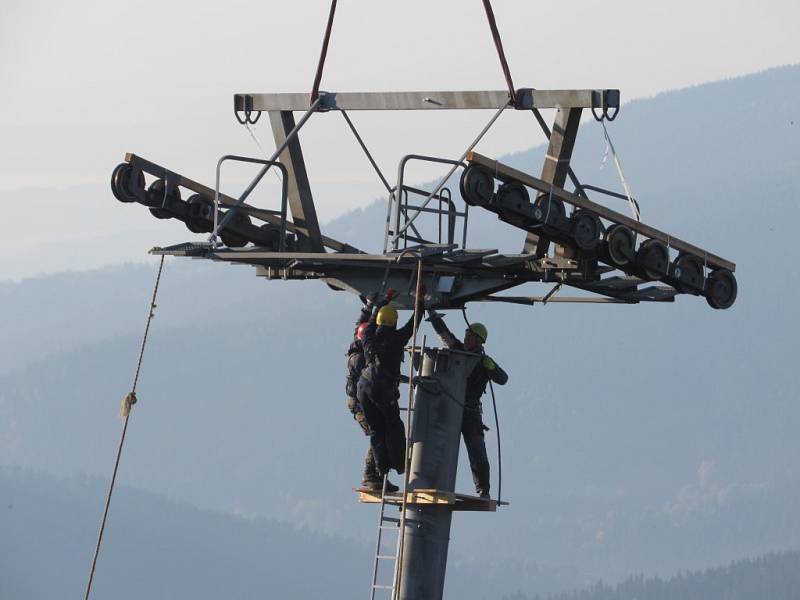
<point x="87" y="80"/>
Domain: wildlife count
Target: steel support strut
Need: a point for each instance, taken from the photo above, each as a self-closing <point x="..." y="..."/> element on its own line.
<point x="301" y="202"/>
<point x="556" y="164"/>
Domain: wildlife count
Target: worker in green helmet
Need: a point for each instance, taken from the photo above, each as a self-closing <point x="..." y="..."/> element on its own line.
<point x="486" y="370"/>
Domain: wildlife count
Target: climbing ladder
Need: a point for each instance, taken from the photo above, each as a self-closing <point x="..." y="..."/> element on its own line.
<point x="385" y="524"/>
<point x="396" y="524"/>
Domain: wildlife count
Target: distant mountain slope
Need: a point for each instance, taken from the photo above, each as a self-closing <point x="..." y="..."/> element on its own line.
<point x="635" y="438"/>
<point x="161" y="549"/>
<point x="155" y="548"/>
<point x="775" y="576"/>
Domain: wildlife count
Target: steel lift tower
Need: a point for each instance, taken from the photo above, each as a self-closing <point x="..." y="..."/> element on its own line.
<point x="566" y="238"/>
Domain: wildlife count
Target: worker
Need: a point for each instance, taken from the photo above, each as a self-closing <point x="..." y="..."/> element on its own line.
<point x="472" y="427"/>
<point x="355" y="365"/>
<point x="378" y="388"/>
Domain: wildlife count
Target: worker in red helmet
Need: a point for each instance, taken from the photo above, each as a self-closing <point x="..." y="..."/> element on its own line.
<point x="355" y="365"/>
<point x="472" y="427"/>
<point x="378" y="388"/>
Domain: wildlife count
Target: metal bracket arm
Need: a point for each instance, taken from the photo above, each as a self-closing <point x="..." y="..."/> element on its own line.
<point x="527" y="98"/>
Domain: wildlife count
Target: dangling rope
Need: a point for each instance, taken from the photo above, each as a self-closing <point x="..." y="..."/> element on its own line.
<point x="487" y="5"/>
<point x="125" y="413"/>
<point x="496" y="428"/>
<point x="323" y="54"/>
<point x="610" y="146"/>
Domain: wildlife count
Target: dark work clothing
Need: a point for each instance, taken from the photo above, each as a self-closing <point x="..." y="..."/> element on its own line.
<point x="355" y="365"/>
<point x="387" y="433"/>
<point x="384" y="349"/>
<point x="472" y="426"/>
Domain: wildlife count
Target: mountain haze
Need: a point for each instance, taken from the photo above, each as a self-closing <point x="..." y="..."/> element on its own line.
<point x="647" y="438"/>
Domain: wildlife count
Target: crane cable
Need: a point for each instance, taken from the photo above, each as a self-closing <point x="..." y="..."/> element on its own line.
<point x="496" y="427"/>
<point x="125" y="413"/>
<point x="498" y="43"/>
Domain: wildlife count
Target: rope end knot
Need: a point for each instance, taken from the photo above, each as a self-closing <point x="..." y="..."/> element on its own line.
<point x="127" y="402"/>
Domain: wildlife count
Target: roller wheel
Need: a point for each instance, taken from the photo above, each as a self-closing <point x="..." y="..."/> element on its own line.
<point x="586" y="229"/>
<point x="513" y="194"/>
<point x="721" y="289"/>
<point x="155" y="198"/>
<point x="687" y="270"/>
<point x="546" y="208"/>
<point x="477" y="185"/>
<point x="270" y="236"/>
<point x="121" y="183"/>
<point x="621" y="244"/>
<point x="653" y="258"/>
<point x="200" y="214"/>
<point x="231" y="238"/>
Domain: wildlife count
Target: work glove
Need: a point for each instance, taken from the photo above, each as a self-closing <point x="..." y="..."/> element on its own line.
<point x="432" y="314"/>
<point x="488" y="363"/>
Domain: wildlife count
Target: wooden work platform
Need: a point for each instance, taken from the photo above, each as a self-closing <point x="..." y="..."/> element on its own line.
<point x="463" y="502"/>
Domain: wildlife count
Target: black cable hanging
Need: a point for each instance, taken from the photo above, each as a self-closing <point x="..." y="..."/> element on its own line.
<point x="323" y="54"/>
<point x="487" y="5"/>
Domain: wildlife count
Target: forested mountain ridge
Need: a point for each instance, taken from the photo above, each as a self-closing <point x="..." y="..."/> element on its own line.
<point x="773" y="577"/>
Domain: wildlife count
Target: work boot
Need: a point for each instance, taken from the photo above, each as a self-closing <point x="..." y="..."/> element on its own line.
<point x="376" y="485"/>
<point x="484" y="495"/>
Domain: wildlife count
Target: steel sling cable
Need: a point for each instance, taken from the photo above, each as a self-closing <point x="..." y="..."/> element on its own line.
<point x="487" y="5"/>
<point x="323" y="53"/>
<point x="125" y="412"/>
<point x="496" y="428"/>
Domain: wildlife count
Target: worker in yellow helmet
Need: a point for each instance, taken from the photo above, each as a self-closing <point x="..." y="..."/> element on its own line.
<point x="378" y="388"/>
<point x="472" y="427"/>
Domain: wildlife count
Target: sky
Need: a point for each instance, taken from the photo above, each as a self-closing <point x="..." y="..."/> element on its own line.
<point x="85" y="82"/>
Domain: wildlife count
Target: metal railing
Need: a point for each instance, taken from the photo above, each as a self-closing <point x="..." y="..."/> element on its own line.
<point x="401" y="214"/>
<point x="284" y="194"/>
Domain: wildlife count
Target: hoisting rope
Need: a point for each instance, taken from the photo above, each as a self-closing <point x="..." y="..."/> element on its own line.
<point x="323" y="54"/>
<point x="125" y="412"/>
<point x="496" y="427"/>
<point x="487" y="5"/>
<point x="500" y="53"/>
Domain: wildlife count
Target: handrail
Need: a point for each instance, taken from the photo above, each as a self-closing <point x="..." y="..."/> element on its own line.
<point x="292" y="134"/>
<point x="255" y="182"/>
<point x="393" y="227"/>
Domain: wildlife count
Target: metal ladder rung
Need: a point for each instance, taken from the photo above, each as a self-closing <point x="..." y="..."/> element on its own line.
<point x="392" y="520"/>
<point x="389" y="527"/>
<point x="386" y="557"/>
<point x="383" y="587"/>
